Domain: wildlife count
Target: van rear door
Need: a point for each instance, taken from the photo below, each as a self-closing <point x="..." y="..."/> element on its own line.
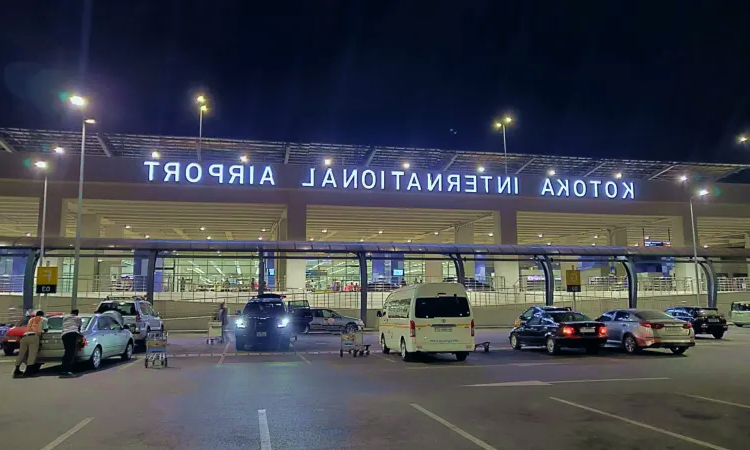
<point x="443" y="323"/>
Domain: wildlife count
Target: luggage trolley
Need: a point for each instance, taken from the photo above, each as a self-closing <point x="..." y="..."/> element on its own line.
<point x="214" y="331"/>
<point x="156" y="349"/>
<point x="353" y="343"/>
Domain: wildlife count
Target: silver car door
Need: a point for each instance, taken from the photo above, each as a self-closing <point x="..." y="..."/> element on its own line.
<point x="103" y="334"/>
<point x="119" y="337"/>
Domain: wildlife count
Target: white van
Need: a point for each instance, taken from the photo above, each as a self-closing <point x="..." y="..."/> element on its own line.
<point x="427" y="318"/>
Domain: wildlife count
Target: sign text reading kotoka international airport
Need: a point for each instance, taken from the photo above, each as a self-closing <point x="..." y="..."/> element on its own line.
<point x="370" y="180"/>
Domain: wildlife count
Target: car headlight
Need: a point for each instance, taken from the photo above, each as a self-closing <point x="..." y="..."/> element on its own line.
<point x="240" y="323"/>
<point x="284" y="322"/>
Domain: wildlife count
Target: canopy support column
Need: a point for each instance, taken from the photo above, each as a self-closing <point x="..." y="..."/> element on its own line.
<point x="261" y="273"/>
<point x="458" y="263"/>
<point x="549" y="279"/>
<point x="362" y="258"/>
<point x="712" y="291"/>
<point x="632" y="277"/>
<point x="150" y="274"/>
<point x="28" y="280"/>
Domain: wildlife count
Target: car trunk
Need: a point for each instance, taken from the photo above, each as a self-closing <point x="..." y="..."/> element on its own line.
<point x="669" y="329"/>
<point x="443" y="322"/>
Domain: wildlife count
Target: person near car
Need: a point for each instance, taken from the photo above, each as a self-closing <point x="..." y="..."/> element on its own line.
<point x="71" y="328"/>
<point x="221" y="316"/>
<point x="30" y="345"/>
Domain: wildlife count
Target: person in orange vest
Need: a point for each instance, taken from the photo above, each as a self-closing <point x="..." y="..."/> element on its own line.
<point x="30" y="345"/>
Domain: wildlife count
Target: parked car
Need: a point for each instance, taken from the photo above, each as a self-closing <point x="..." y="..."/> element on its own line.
<point x="102" y="336"/>
<point x="264" y="322"/>
<point x="636" y="329"/>
<point x="560" y="329"/>
<point x="739" y="313"/>
<point x="529" y="313"/>
<point x="703" y="320"/>
<point x="134" y="312"/>
<point x="300" y="314"/>
<point x="331" y="321"/>
<point x="12" y="339"/>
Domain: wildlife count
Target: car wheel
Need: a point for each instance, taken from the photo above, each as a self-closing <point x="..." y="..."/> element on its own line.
<point x="678" y="350"/>
<point x="461" y="356"/>
<point x="128" y="351"/>
<point x="552" y="347"/>
<point x="351" y="328"/>
<point x="239" y="344"/>
<point x="514" y="343"/>
<point x="630" y="345"/>
<point x="384" y="347"/>
<point x="8" y="351"/>
<point x="592" y="350"/>
<point x="405" y="355"/>
<point x="96" y="358"/>
<point x="718" y="334"/>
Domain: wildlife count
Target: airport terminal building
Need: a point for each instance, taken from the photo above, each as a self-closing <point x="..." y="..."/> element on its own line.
<point x="177" y="190"/>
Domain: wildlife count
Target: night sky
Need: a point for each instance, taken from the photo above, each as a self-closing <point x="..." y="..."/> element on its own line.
<point x="638" y="79"/>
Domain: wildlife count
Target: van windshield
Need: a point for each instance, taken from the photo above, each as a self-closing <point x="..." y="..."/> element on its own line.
<point x="431" y="307"/>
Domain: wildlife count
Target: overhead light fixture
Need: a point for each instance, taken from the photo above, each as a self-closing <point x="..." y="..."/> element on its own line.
<point x="218" y="252"/>
<point x="540" y="235"/>
<point x="551" y="172"/>
<point x="324" y="230"/>
<point x="59" y="150"/>
<point x="262" y="230"/>
<point x="203" y="228"/>
<point x="28" y="234"/>
<point x="705" y="245"/>
<point x="406" y="165"/>
<point x="90" y="121"/>
<point x="618" y="175"/>
<point x="549" y="243"/>
<point x="683" y="178"/>
<point x="41" y="164"/>
<point x="312" y="239"/>
<point x="637" y="244"/>
<point x="646" y="237"/>
<point x="380" y="232"/>
<point x="127" y="227"/>
<point x="243" y="158"/>
<point x="361" y="240"/>
<point x="703" y="192"/>
<point x="327" y="161"/>
<point x="490" y="234"/>
<point x="480" y="169"/>
<point x="147" y="236"/>
<point x="436" y="233"/>
<point x="260" y="238"/>
<point x="596" y="236"/>
<point x="408" y="241"/>
<point x="155" y="155"/>
<point x="208" y="238"/>
<point x="593" y="244"/>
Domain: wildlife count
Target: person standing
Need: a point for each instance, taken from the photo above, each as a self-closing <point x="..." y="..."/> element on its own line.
<point x="221" y="316"/>
<point x="30" y="345"/>
<point x="71" y="329"/>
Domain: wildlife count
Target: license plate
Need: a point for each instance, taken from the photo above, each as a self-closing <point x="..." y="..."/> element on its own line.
<point x="588" y="330"/>
<point x="12" y="340"/>
<point x="260" y="334"/>
<point x="713" y="320"/>
<point x="673" y="330"/>
<point x="443" y="329"/>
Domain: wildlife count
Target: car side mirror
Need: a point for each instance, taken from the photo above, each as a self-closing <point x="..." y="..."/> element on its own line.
<point x="156" y="314"/>
<point x="380" y="314"/>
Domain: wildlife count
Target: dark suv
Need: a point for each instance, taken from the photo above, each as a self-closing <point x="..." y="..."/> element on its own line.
<point x="703" y="320"/>
<point x="263" y="322"/>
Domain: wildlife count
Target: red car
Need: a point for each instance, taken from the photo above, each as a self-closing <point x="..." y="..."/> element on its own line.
<point x="12" y="339"/>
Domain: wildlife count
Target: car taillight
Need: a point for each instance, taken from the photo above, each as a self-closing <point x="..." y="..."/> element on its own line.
<point x="472" y="327"/>
<point x="567" y="330"/>
<point x="602" y="331"/>
<point x="82" y="342"/>
<point x="655" y="326"/>
<point x="412" y="329"/>
<point x="687" y="325"/>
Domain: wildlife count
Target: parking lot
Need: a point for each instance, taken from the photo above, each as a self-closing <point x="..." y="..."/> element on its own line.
<point x="310" y="398"/>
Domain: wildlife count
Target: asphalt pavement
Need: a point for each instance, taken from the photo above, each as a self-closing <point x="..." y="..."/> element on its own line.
<point x="213" y="397"/>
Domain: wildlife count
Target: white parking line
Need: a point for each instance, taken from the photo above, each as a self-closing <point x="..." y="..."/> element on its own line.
<point x="67" y="434"/>
<point x="723" y="402"/>
<point x="480" y="443"/>
<point x="265" y="435"/>
<point x="383" y="358"/>
<point x="550" y="383"/>
<point x="641" y="424"/>
<point x="302" y="357"/>
<point x="224" y="353"/>
<point x="609" y="379"/>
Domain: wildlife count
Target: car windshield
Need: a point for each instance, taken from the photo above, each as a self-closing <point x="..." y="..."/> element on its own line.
<point x="707" y="312"/>
<point x="264" y="308"/>
<point x="653" y="315"/>
<point x="567" y="316"/>
<point x="124" y="308"/>
<point x="55" y="323"/>
<point x="427" y="308"/>
<point x="23" y="322"/>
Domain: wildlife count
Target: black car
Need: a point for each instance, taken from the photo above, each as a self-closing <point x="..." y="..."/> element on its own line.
<point x="300" y="314"/>
<point x="560" y="329"/>
<point x="703" y="320"/>
<point x="263" y="322"/>
<point x="529" y="313"/>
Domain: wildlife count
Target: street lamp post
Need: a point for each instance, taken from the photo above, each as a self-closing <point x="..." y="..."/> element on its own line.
<point x="42" y="165"/>
<point x="701" y="193"/>
<point x="500" y="125"/>
<point x="201" y="109"/>
<point x="79" y="102"/>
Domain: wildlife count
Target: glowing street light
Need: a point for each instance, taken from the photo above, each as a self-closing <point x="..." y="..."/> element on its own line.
<point x="480" y="169"/>
<point x="243" y="158"/>
<point x="618" y="175"/>
<point x="155" y="155"/>
<point x="683" y="178"/>
<point x="743" y="138"/>
<point x="551" y="172"/>
<point x="78" y="101"/>
<point x="327" y="161"/>
<point x="406" y="165"/>
<point x="201" y="100"/>
<point x="59" y="150"/>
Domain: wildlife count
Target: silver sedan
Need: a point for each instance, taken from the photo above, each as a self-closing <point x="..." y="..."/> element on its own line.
<point x="636" y="329"/>
<point x="102" y="336"/>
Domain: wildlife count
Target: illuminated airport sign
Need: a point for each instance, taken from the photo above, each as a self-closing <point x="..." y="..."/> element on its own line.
<point x="373" y="180"/>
